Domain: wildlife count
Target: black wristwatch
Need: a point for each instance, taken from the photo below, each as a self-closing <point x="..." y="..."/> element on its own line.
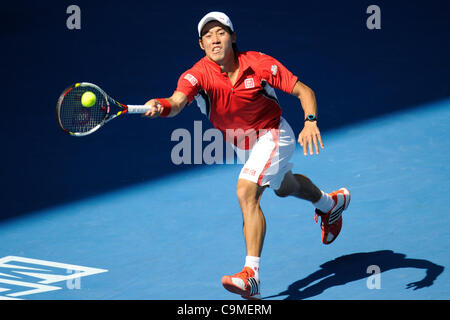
<point x="310" y="117"/>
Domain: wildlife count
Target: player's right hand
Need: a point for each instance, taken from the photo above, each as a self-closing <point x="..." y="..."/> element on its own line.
<point x="155" y="109"/>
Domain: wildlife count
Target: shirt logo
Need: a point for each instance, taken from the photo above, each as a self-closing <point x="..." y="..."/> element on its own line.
<point x="189" y="77"/>
<point x="274" y="70"/>
<point x="249" y="83"/>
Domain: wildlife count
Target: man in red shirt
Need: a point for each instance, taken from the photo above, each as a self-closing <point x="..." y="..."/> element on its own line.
<point x="235" y="90"/>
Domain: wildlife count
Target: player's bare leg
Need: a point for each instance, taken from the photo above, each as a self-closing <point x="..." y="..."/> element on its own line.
<point x="246" y="282"/>
<point x="254" y="228"/>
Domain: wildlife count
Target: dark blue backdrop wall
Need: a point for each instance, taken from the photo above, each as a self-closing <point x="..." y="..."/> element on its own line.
<point x="136" y="50"/>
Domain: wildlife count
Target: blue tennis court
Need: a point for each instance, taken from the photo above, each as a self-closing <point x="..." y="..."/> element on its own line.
<point x="154" y="247"/>
<point x="110" y="217"/>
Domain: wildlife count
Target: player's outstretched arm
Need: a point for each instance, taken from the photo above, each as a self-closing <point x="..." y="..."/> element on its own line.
<point x="310" y="135"/>
<point x="166" y="107"/>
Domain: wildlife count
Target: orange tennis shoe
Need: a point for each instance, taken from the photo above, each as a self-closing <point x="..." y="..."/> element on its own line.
<point x="331" y="222"/>
<point x="243" y="283"/>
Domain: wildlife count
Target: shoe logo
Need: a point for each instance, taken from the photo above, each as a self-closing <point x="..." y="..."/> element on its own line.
<point x="254" y="286"/>
<point x="335" y="215"/>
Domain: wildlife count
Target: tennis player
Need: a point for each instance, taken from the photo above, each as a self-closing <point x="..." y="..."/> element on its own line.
<point x="235" y="90"/>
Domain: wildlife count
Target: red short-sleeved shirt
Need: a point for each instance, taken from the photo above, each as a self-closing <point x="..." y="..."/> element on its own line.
<point x="249" y="104"/>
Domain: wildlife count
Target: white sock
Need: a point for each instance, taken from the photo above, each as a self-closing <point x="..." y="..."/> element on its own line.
<point x="325" y="204"/>
<point x="253" y="263"/>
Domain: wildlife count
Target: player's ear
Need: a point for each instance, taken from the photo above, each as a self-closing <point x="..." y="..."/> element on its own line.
<point x="201" y="44"/>
<point x="233" y="37"/>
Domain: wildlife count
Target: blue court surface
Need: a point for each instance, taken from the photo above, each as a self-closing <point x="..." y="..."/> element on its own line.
<point x="110" y="216"/>
<point x="173" y="238"/>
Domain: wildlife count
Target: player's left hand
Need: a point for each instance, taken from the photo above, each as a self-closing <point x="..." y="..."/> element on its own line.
<point x="310" y="135"/>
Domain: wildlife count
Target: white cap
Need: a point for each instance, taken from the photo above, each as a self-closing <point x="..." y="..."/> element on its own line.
<point x="214" y="16"/>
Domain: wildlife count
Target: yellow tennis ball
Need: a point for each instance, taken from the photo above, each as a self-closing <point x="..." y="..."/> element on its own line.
<point x="88" y="99"/>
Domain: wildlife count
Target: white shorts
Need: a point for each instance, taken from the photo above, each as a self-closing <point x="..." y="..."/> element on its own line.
<point x="267" y="161"/>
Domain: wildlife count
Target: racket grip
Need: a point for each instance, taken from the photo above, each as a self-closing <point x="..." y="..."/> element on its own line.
<point x="138" y="109"/>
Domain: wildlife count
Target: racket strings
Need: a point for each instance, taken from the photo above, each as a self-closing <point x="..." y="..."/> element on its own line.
<point x="76" y="118"/>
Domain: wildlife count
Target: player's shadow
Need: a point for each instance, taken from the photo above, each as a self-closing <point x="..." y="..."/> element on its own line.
<point x="353" y="267"/>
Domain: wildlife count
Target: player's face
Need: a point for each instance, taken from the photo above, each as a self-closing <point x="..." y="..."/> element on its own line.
<point x="217" y="42"/>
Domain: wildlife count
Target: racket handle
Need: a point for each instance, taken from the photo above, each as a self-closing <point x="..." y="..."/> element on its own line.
<point x="138" y="109"/>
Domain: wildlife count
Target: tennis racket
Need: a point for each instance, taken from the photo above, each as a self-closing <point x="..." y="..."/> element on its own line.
<point x="78" y="120"/>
